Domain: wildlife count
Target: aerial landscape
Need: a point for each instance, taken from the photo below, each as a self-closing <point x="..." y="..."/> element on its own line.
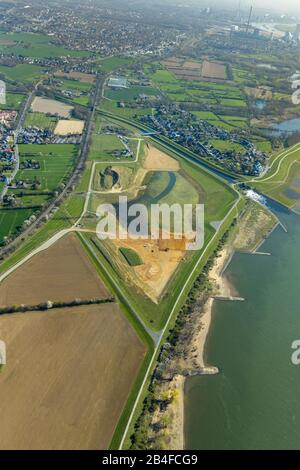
<point x="149" y="225"/>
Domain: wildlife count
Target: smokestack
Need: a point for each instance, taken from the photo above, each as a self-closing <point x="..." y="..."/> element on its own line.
<point x="249" y="19"/>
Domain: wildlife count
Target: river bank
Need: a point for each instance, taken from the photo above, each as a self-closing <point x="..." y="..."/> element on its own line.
<point x="195" y="358"/>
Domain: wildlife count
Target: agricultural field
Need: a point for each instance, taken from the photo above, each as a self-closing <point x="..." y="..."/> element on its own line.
<point x="183" y="69"/>
<point x="22" y="73"/>
<point x="62" y="273"/>
<point x="107" y="145"/>
<point x="82" y="363"/>
<point x="104" y="145"/>
<point x="126" y="112"/>
<point x="34" y="45"/>
<point x="11" y="221"/>
<point x="69" y="127"/>
<point x="56" y="163"/>
<point x="131" y="93"/>
<point x="13" y="101"/>
<point x="74" y="91"/>
<point x="229" y="123"/>
<point x="110" y="64"/>
<point x="76" y="76"/>
<point x="38" y="185"/>
<point x="52" y="107"/>
<point x="40" y="120"/>
<point x="204" y="93"/>
<point x="215" y="70"/>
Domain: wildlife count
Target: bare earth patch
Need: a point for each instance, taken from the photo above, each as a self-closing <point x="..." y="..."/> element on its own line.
<point x="214" y="70"/>
<point x="159" y="161"/>
<point x="82" y="77"/>
<point x="64" y="127"/>
<point x="43" y="105"/>
<point x="160" y="263"/>
<point x="183" y="69"/>
<point x="61" y="273"/>
<point x="67" y="378"/>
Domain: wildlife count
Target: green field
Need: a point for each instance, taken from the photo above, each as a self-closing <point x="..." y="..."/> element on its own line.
<point x="40" y="120"/>
<point x="103" y="145"/>
<point x="75" y="85"/>
<point x="131" y="256"/>
<point x="110" y="64"/>
<point x="56" y="163"/>
<point x="13" y="101"/>
<point x="223" y="145"/>
<point x="21" y="72"/>
<point x="34" y="45"/>
<point x="112" y="107"/>
<point x="11" y="221"/>
<point x="131" y="93"/>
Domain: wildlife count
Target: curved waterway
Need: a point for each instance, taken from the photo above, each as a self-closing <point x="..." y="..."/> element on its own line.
<point x="255" y="402"/>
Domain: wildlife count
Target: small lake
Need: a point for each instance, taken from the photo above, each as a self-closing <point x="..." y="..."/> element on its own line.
<point x="260" y="104"/>
<point x="289" y="126"/>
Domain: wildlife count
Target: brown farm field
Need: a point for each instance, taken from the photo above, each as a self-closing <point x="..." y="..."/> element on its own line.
<point x="82" y="77"/>
<point x="61" y="273"/>
<point x="214" y="70"/>
<point x="53" y="107"/>
<point x="156" y="160"/>
<point x="69" y="127"/>
<point x="68" y="375"/>
<point x="184" y="69"/>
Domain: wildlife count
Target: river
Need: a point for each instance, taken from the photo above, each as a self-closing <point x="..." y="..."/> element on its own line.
<point x="253" y="402"/>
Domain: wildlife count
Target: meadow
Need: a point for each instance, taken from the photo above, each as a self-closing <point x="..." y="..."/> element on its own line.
<point x="56" y="163"/>
<point x="13" y="101"/>
<point x="40" y="120"/>
<point x="35" y="45"/>
<point x="11" y="221"/>
<point x="131" y="93"/>
<point x="22" y="73"/>
<point x="103" y="146"/>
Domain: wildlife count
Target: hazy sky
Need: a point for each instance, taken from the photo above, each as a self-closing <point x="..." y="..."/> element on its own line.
<point x="276" y="5"/>
<point x="279" y="4"/>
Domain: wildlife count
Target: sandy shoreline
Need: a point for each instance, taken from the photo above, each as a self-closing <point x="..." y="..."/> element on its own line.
<point x="196" y="356"/>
